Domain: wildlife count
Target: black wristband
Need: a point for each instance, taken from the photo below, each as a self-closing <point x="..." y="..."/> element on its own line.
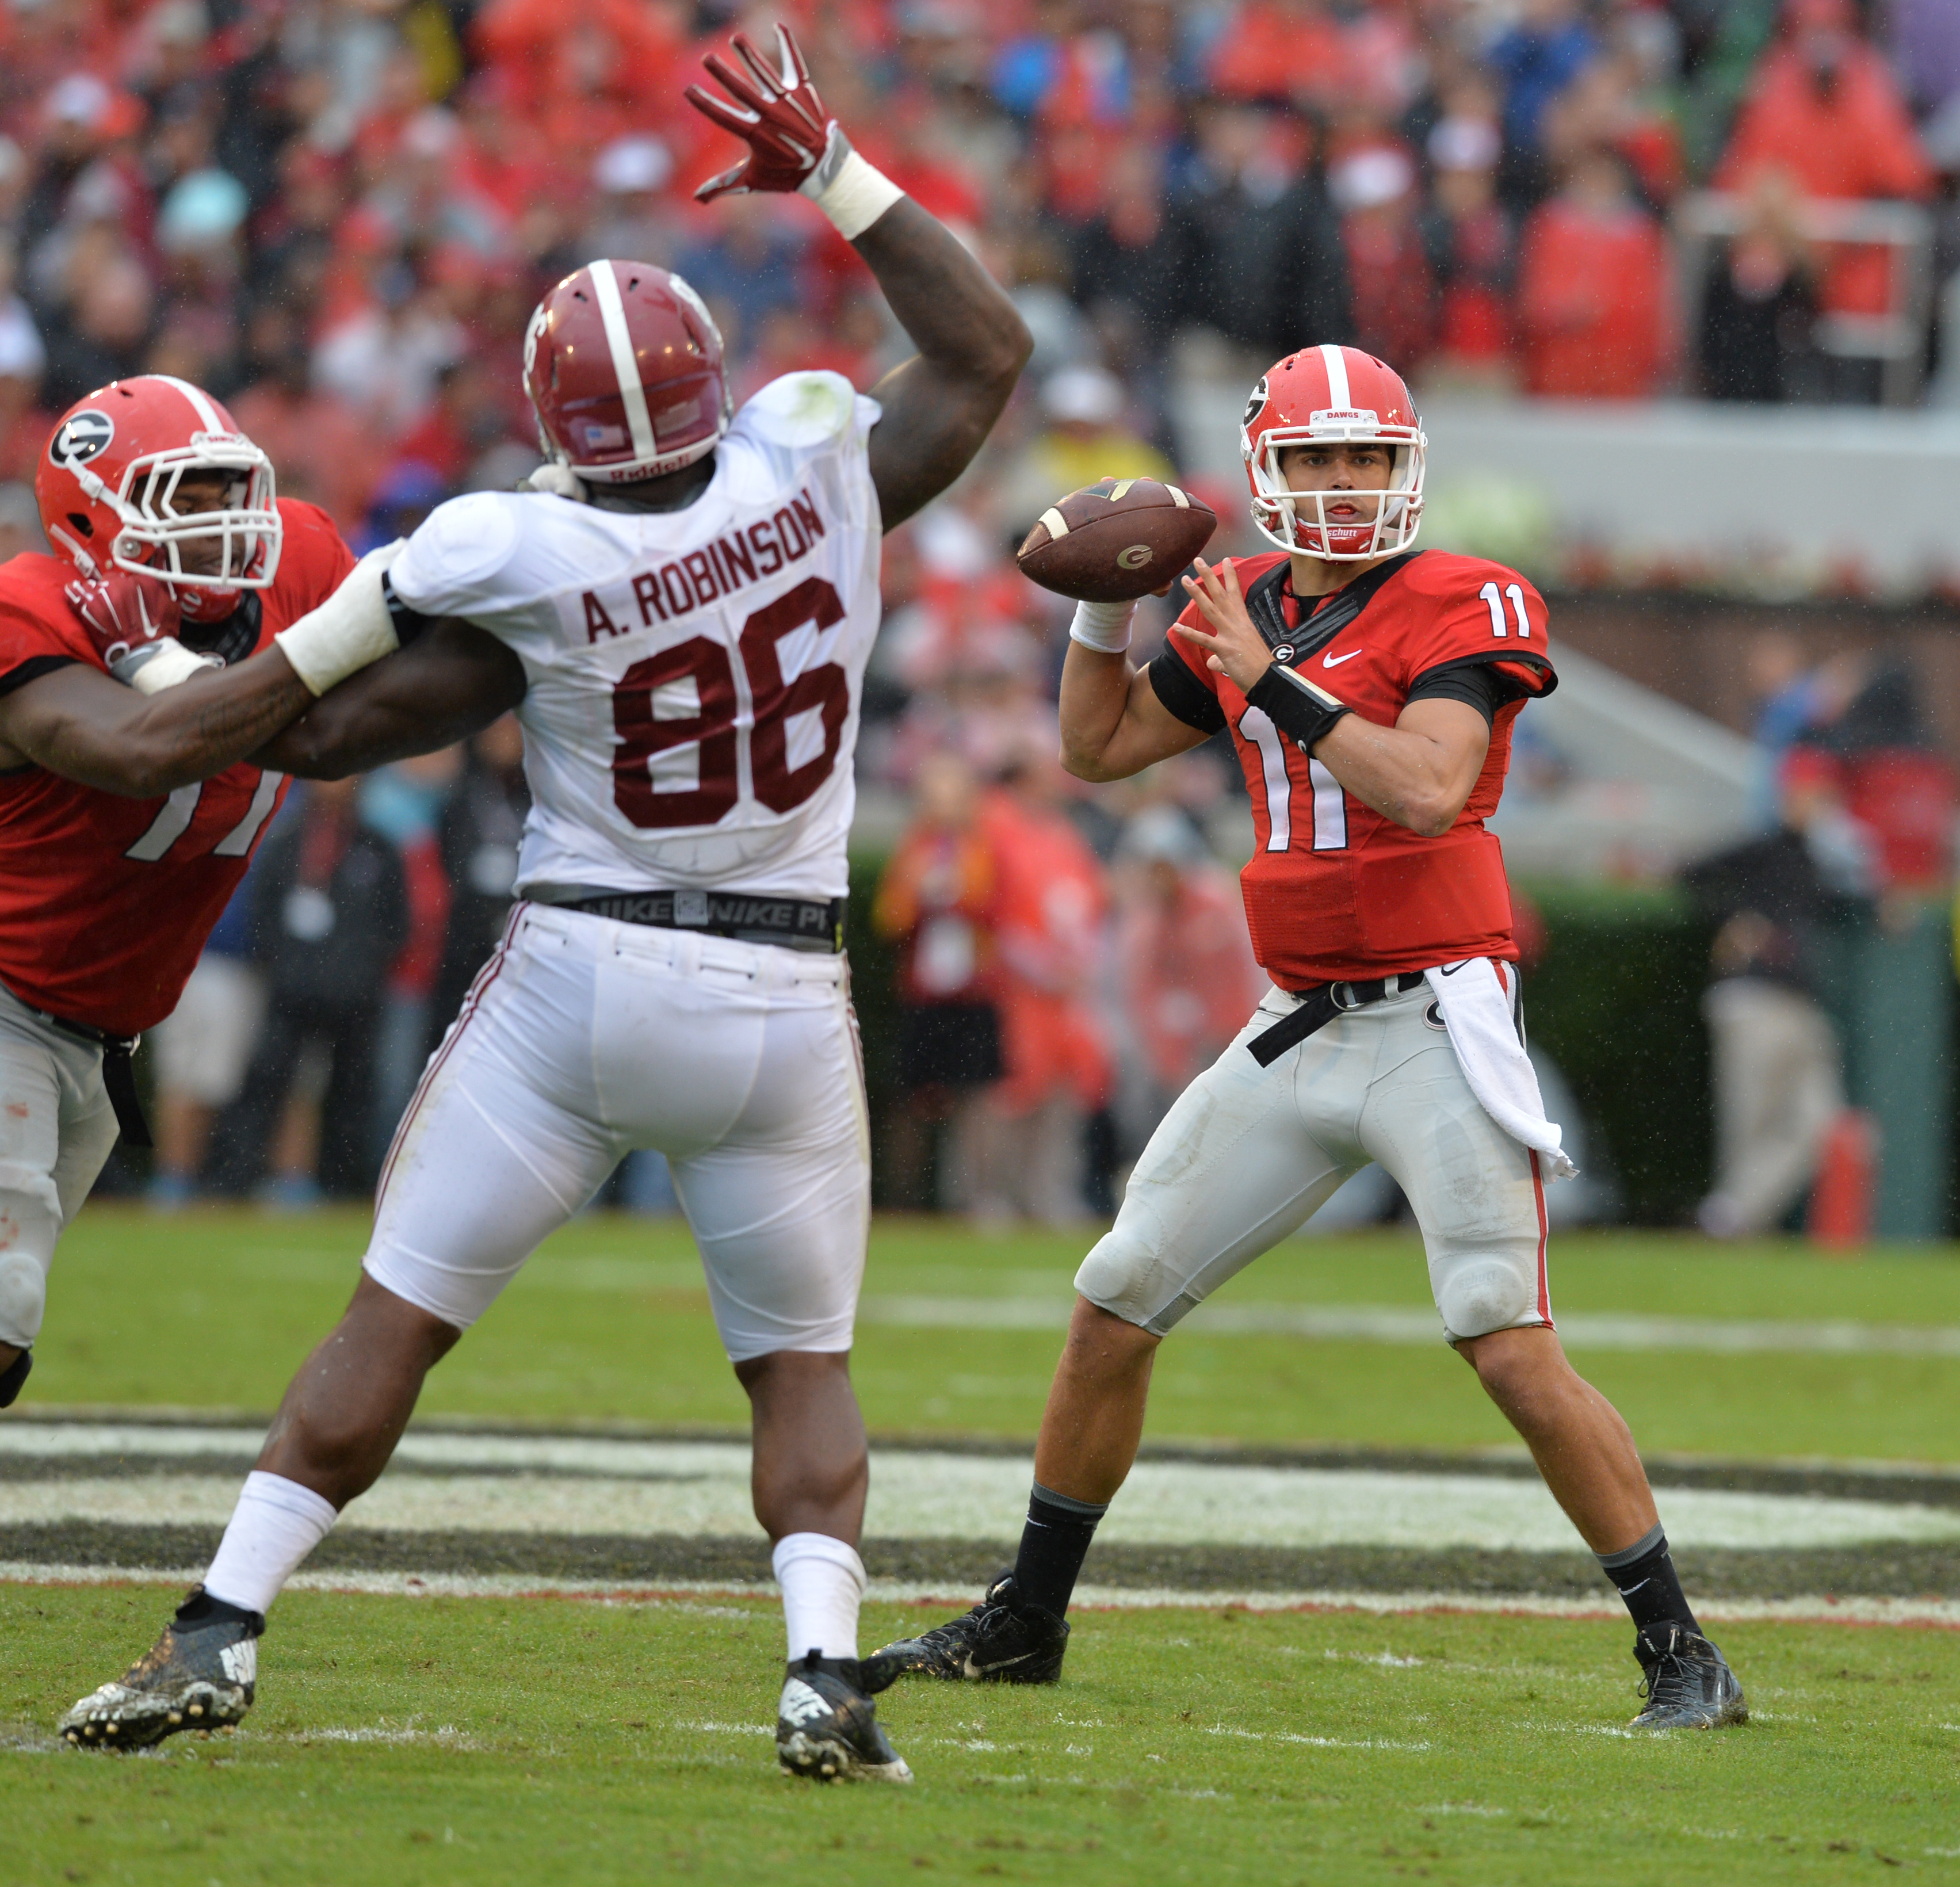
<point x="1302" y="710"/>
<point x="409" y="623"/>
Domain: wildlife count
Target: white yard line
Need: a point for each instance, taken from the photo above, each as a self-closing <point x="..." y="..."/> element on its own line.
<point x="696" y="1596"/>
<point x="1385" y="1323"/>
<point x="701" y="1489"/>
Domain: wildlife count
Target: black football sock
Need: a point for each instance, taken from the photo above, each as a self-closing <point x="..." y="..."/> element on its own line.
<point x="1053" y="1545"/>
<point x="1644" y="1573"/>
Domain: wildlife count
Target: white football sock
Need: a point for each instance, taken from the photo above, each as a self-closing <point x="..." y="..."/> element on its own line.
<point x="823" y="1584"/>
<point x="276" y="1524"/>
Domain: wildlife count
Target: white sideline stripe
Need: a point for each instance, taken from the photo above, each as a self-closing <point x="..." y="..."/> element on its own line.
<point x="701" y="1489"/>
<point x="687" y="1594"/>
<point x="1386" y="1323"/>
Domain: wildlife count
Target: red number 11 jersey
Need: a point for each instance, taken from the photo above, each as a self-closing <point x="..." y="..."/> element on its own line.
<point x="1334" y="890"/>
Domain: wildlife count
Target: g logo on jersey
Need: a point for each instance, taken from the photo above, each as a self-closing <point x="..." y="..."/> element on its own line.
<point x="81" y="437"/>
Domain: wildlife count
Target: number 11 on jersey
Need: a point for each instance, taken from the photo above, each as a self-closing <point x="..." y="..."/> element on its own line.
<point x="1330" y="802"/>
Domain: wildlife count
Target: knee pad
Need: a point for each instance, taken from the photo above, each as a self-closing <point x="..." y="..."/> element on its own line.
<point x="24" y="1297"/>
<point x="1482" y="1295"/>
<point x="1119" y="1274"/>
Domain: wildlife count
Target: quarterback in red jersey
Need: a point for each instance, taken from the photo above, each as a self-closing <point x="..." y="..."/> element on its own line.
<point x="138" y="672"/>
<point x="1370" y="689"/>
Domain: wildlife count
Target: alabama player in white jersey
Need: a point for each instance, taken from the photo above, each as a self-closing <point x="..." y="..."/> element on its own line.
<point x="681" y="617"/>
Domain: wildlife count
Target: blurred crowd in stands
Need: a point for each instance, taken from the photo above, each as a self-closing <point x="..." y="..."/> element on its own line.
<point x="337" y="214"/>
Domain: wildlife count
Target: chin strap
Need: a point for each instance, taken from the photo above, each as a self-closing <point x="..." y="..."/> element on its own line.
<point x="558" y="481"/>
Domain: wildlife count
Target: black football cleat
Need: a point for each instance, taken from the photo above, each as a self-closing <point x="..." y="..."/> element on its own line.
<point x="1002" y="1640"/>
<point x="14" y="1378"/>
<point x="200" y="1675"/>
<point x="1688" y="1684"/>
<point x="827" y="1727"/>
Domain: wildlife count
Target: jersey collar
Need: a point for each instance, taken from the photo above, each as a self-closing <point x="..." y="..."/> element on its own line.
<point x="1266" y="601"/>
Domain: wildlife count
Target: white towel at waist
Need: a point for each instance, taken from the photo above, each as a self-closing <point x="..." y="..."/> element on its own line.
<point x="1476" y="1006"/>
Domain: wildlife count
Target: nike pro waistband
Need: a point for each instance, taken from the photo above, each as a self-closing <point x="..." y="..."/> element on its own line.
<point x="749" y="917"/>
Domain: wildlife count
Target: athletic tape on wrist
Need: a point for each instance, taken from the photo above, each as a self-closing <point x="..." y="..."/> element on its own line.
<point x="1302" y="710"/>
<point x="352" y="627"/>
<point x="158" y="665"/>
<point x="852" y="193"/>
<point x="1104" y="627"/>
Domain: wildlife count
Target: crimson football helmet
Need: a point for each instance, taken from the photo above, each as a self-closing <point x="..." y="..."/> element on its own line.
<point x="106" y="489"/>
<point x="1338" y="395"/>
<point x="622" y="362"/>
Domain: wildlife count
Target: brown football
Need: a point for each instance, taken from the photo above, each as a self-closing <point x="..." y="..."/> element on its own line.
<point x="1117" y="539"/>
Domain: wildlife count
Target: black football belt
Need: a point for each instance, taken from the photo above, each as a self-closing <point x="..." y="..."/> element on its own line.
<point x="1320" y="1005"/>
<point x="749" y="917"/>
<point x="118" y="1077"/>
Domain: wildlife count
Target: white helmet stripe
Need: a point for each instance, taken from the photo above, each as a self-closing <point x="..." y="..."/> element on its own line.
<point x="1339" y="397"/>
<point x="612" y="311"/>
<point x="207" y="414"/>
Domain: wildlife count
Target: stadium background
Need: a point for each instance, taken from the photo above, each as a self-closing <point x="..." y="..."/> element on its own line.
<point x="1593" y="234"/>
<point x="1599" y="235"/>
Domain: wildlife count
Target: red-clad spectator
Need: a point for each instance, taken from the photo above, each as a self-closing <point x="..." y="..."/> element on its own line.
<point x="1824" y="108"/>
<point x="936" y="901"/>
<point x="1594" y="298"/>
<point x="1186" y="978"/>
<point x="1057" y="1065"/>
<point x="1281" y="51"/>
<point x="1474" y="242"/>
<point x="585" y="72"/>
<point x="1393" y="292"/>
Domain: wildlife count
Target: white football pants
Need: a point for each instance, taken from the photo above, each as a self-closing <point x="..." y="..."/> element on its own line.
<point x="1247" y="1154"/>
<point x="583" y="1039"/>
<point x="56" y="1127"/>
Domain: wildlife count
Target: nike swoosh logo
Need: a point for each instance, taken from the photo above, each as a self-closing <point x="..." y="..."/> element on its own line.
<point x="1334" y="661"/>
<point x="1450" y="969"/>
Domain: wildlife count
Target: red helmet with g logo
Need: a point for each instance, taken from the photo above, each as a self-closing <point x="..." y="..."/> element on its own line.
<point x="107" y="489"/>
<point x="622" y="362"/>
<point x="1330" y="395"/>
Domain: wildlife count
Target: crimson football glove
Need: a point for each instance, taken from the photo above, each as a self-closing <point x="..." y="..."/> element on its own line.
<point x="793" y="143"/>
<point x="125" y="613"/>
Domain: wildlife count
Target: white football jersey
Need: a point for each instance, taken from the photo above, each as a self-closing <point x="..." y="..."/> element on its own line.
<point x="693" y="675"/>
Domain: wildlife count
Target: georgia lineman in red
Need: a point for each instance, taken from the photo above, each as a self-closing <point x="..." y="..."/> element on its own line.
<point x="1336" y="889"/>
<point x="105" y="901"/>
<point x="1370" y="689"/>
<point x="137" y="676"/>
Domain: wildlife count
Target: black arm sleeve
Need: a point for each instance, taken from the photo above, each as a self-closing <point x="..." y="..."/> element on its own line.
<point x="1477" y="681"/>
<point x="1185" y="695"/>
<point x="35" y="667"/>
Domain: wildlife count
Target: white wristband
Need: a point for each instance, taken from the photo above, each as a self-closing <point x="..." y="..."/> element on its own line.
<point x="1104" y="627"/>
<point x="852" y="193"/>
<point x="350" y="629"/>
<point x="159" y="665"/>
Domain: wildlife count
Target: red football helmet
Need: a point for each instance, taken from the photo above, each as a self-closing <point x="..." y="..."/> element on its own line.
<point x="107" y="487"/>
<point x="622" y="362"/>
<point x="1338" y="395"/>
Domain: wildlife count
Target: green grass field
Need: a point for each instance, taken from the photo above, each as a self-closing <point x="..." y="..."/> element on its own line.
<point x="481" y="1741"/>
<point x="610" y="1321"/>
<point x="556" y="1741"/>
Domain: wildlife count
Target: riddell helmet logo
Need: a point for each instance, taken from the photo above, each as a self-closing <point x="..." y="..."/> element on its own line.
<point x="81" y="437"/>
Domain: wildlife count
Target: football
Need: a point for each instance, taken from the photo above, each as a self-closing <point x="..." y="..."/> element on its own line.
<point x="1116" y="539"/>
